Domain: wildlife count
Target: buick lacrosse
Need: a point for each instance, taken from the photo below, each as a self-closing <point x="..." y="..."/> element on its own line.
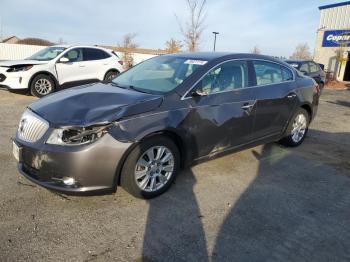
<point x="161" y="115"/>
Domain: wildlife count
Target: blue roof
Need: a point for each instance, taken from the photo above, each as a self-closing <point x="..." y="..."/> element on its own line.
<point x="334" y="5"/>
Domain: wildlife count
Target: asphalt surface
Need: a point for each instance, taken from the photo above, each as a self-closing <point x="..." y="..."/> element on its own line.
<point x="268" y="203"/>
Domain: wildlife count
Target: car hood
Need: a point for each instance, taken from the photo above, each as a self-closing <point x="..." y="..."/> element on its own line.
<point x="10" y="63"/>
<point x="93" y="104"/>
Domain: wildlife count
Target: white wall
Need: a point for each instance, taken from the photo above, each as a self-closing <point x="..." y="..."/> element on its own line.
<point x="16" y="51"/>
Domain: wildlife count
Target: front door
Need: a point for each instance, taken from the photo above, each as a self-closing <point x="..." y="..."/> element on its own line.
<point x="74" y="70"/>
<point x="223" y="109"/>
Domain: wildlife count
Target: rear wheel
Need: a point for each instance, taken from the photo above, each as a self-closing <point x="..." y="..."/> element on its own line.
<point x="151" y="167"/>
<point x="42" y="85"/>
<point x="297" y="128"/>
<point x="110" y="75"/>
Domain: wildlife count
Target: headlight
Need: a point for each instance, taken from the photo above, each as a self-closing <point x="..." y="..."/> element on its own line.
<point x="19" y="68"/>
<point x="76" y="135"/>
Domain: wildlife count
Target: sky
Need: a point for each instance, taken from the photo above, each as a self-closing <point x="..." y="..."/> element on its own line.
<point x="274" y="26"/>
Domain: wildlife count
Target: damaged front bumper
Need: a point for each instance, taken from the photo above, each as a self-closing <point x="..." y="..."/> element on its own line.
<point x="88" y="168"/>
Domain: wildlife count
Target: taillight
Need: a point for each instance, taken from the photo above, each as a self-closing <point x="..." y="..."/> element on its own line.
<point x="120" y="62"/>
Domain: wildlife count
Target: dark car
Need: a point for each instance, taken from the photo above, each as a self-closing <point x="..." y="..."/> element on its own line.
<point x="311" y="69"/>
<point x="163" y="114"/>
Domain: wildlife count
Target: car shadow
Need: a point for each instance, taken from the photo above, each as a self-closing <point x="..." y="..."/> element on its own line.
<point x="174" y="230"/>
<point x="296" y="209"/>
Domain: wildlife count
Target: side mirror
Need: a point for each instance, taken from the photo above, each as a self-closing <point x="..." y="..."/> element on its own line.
<point x="303" y="72"/>
<point x="63" y="60"/>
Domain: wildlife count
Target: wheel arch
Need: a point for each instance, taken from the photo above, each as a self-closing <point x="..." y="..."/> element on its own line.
<point x="173" y="136"/>
<point x="43" y="73"/>
<point x="111" y="70"/>
<point x="308" y="109"/>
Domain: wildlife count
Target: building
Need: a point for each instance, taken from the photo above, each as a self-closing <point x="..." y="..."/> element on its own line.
<point x="333" y="40"/>
<point x="10" y="40"/>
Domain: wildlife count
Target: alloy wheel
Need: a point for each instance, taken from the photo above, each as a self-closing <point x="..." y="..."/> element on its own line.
<point x="154" y="168"/>
<point x="43" y="86"/>
<point x="299" y="128"/>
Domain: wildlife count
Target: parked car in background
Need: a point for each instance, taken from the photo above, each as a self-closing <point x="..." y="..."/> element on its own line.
<point x="61" y="66"/>
<point x="158" y="116"/>
<point x="311" y="69"/>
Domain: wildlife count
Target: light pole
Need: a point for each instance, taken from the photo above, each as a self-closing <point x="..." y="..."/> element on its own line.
<point x="215" y="33"/>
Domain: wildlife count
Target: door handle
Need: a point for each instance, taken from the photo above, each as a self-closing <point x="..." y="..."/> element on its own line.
<point x="81" y="66"/>
<point x="247" y="107"/>
<point x="290" y="96"/>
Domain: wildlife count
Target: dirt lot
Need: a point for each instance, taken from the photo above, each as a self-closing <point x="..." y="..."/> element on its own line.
<point x="268" y="203"/>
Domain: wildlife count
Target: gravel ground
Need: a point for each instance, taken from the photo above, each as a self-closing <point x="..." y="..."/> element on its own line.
<point x="268" y="203"/>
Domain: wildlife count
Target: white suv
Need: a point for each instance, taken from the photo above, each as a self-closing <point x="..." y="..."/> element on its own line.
<point x="58" y="67"/>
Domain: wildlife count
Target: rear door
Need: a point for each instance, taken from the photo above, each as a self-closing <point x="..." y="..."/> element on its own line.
<point x="97" y="63"/>
<point x="223" y="113"/>
<point x="275" y="97"/>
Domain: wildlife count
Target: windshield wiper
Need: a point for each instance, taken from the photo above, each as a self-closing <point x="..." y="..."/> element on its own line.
<point x="136" y="89"/>
<point x="130" y="87"/>
<point x="118" y="85"/>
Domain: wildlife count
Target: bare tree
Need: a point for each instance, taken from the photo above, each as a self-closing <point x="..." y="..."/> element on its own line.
<point x="127" y="47"/>
<point x="173" y="46"/>
<point x="35" y="41"/>
<point x="256" y="50"/>
<point x="302" y="51"/>
<point x="193" y="28"/>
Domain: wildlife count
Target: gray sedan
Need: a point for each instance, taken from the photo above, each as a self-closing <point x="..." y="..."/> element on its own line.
<point x="161" y="115"/>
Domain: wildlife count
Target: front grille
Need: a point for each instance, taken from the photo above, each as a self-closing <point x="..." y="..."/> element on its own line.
<point x="2" y="77"/>
<point x="31" y="127"/>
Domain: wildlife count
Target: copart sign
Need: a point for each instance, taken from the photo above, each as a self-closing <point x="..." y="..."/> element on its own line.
<point x="334" y="38"/>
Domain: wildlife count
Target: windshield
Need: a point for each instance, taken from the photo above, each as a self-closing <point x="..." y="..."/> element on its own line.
<point x="47" y="54"/>
<point x="158" y="75"/>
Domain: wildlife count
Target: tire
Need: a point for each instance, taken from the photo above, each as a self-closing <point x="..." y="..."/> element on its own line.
<point x="290" y="137"/>
<point x="42" y="85"/>
<point x="110" y="75"/>
<point x="141" y="187"/>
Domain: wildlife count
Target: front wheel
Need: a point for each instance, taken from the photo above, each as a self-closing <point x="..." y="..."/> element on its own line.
<point x="42" y="85"/>
<point x="297" y="128"/>
<point x="151" y="167"/>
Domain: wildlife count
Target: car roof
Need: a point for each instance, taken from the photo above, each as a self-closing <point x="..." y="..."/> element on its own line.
<point x="208" y="56"/>
<point x="296" y="60"/>
<point x="82" y="46"/>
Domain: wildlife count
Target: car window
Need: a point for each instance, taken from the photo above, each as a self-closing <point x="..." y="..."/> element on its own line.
<point x="313" y="67"/>
<point x="225" y="77"/>
<point x="304" y="68"/>
<point x="94" y="54"/>
<point x="74" y="55"/>
<point x="287" y="74"/>
<point x="267" y="73"/>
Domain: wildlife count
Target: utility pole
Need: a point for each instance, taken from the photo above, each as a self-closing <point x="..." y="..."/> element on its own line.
<point x="215" y="33"/>
<point x="1" y="29"/>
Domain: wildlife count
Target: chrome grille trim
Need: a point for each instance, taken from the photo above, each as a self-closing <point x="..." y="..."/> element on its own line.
<point x="31" y="127"/>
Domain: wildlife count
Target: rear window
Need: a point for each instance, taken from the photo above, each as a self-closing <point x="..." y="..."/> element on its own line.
<point x="94" y="54"/>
